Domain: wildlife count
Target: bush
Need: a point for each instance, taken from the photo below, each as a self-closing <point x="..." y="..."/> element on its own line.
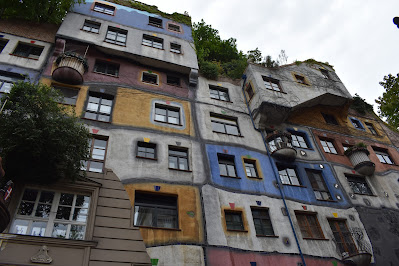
<point x="209" y="70"/>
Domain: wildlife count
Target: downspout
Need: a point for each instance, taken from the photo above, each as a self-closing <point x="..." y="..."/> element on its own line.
<point x="276" y="176"/>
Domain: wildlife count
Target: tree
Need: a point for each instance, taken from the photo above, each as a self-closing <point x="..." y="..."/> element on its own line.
<point x="389" y="102"/>
<point x="51" y="11"/>
<point x="39" y="141"/>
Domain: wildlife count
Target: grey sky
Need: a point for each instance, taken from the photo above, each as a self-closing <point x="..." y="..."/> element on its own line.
<point x="357" y="37"/>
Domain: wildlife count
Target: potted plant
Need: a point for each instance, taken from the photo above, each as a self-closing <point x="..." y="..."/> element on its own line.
<point x="359" y="157"/>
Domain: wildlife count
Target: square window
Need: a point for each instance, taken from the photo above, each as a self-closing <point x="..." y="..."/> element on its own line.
<point x="319" y="185"/>
<point x="288" y="175"/>
<point x="172" y="80"/>
<point x="52" y="214"/>
<point x="3" y="44"/>
<point x="98" y="151"/>
<point x="325" y="73"/>
<point x="298" y="141"/>
<point x="106" y="9"/>
<point x="250" y="92"/>
<point x="174" y="27"/>
<point x="342" y="236"/>
<point x="234" y="220"/>
<point x="262" y="222"/>
<point x="309" y="225"/>
<point x="91" y="26"/>
<point x="146" y="150"/>
<point x="224" y="124"/>
<point x="359" y="185"/>
<point x="227" y="166"/>
<point x="178" y="158"/>
<point x="156" y="22"/>
<point x="106" y="68"/>
<point x="155" y="210"/>
<point x="356" y="123"/>
<point x="99" y="107"/>
<point x="116" y="36"/>
<point x="383" y="156"/>
<point x="149" y="78"/>
<point x="152" y="41"/>
<point x="371" y="128"/>
<point x="28" y="50"/>
<point x="70" y="95"/>
<point x="219" y="93"/>
<point x="271" y="84"/>
<point x="250" y="168"/>
<point x="330" y="119"/>
<point x="175" y="48"/>
<point x="167" y="114"/>
<point x="328" y="146"/>
<point x="301" y="79"/>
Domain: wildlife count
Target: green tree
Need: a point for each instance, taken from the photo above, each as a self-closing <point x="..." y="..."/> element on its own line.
<point x="389" y="102"/>
<point x="39" y="141"/>
<point x="51" y="11"/>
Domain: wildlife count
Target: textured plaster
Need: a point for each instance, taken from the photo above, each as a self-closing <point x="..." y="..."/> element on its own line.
<point x="182" y="255"/>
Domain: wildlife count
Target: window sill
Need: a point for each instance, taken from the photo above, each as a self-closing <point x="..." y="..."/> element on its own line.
<point x="272" y="236"/>
<point x="96" y="120"/>
<point x="221" y="101"/>
<point x="105" y="74"/>
<point x="25" y="57"/>
<point x="23" y="239"/>
<point x="238" y="231"/>
<point x="160" y="228"/>
<point x="311" y="238"/>
<point x="122" y="45"/>
<point x="241" y="136"/>
<point x="293" y="185"/>
<point x="254" y="177"/>
<point x="236" y="177"/>
<point x="152" y="159"/>
<point x="166" y="123"/>
<point x="181" y="170"/>
<point x="152" y="46"/>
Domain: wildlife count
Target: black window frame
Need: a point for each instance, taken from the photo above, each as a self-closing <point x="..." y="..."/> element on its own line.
<point x="359" y="185"/>
<point x="324" y="193"/>
<point x="168" y="109"/>
<point x="70" y="95"/>
<point x="156" y="22"/>
<point x="269" y="82"/>
<point x="301" y="79"/>
<point x="227" y="122"/>
<point x="236" y="224"/>
<point x="107" y="67"/>
<point x="152" y="41"/>
<point x="102" y="102"/>
<point x="96" y="158"/>
<point x="102" y="8"/>
<point x="175" y="48"/>
<point x="3" y="44"/>
<point x="371" y="128"/>
<point x="173" y="27"/>
<point x="173" y="80"/>
<point x="288" y="170"/>
<point x="249" y="91"/>
<point x="325" y="73"/>
<point x="91" y="25"/>
<point x="28" y="50"/>
<point x="264" y="227"/>
<point x="218" y="93"/>
<point x="227" y="162"/>
<point x="330" y="119"/>
<point x="143" y="150"/>
<point x="118" y="33"/>
<point x="177" y="152"/>
<point x="147" y="77"/>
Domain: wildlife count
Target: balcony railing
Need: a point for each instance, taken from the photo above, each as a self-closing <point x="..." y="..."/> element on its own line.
<point x="70" y="68"/>
<point x="280" y="144"/>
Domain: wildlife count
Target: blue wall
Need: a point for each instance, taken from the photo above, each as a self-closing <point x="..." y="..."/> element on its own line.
<point x="31" y="75"/>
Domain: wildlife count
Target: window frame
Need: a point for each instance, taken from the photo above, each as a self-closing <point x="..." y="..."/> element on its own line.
<point x="148" y="74"/>
<point x="269" y="82"/>
<point x="146" y="145"/>
<point x="225" y="121"/>
<point x="330" y="119"/>
<point x="355" y="181"/>
<point x="152" y="41"/>
<point x="304" y="138"/>
<point x="179" y="158"/>
<point x="175" y="48"/>
<point x="87" y="164"/>
<point x="174" y="25"/>
<point x="315" y="184"/>
<point x="168" y="80"/>
<point x="342" y="237"/>
<point x="90" y="24"/>
<point x="261" y="218"/>
<point x="8" y="79"/>
<point x="308" y="228"/>
<point x="325" y="73"/>
<point x="219" y="90"/>
<point x="383" y="156"/>
<point x="155" y="22"/>
<point x="30" y="49"/>
<point x="356" y="123"/>
<point x="67" y="100"/>
<point x="301" y="79"/>
<point x="250" y="164"/>
<point x="117" y="32"/>
<point x="285" y="168"/>
<point x="3" y="44"/>
<point x="249" y="92"/>
<point x="98" y="6"/>
<point x="234" y="212"/>
<point x="227" y="160"/>
<point x="167" y="109"/>
<point x="106" y="66"/>
<point x="327" y="146"/>
<point x="371" y="128"/>
<point x="98" y="113"/>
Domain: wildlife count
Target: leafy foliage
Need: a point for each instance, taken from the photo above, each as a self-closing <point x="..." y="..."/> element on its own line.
<point x="39" y="142"/>
<point x="312" y="61"/>
<point x="389" y="102"/>
<point x="361" y="106"/>
<point x="51" y="11"/>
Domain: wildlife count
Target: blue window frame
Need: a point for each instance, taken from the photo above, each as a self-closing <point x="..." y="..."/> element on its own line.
<point x="356" y="123"/>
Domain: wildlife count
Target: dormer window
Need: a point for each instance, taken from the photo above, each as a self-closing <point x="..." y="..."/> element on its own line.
<point x="174" y="27"/>
<point x="156" y="22"/>
<point x="106" y="9"/>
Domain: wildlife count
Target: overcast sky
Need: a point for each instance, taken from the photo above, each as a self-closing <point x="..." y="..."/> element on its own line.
<point x="357" y="37"/>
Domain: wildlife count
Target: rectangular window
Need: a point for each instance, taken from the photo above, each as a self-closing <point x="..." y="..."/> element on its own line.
<point x="262" y="222"/>
<point x="99" y="107"/>
<point x="70" y="95"/>
<point x="155" y="210"/>
<point x="371" y="128"/>
<point x="28" y="50"/>
<point x="325" y="74"/>
<point x="174" y="27"/>
<point x="346" y="146"/>
<point x="156" y="22"/>
<point x="227" y="166"/>
<point x="301" y="79"/>
<point x="98" y="151"/>
<point x="91" y="26"/>
<point x="219" y="93"/>
<point x="171" y="80"/>
<point x="359" y="185"/>
<point x="319" y="185"/>
<point x="152" y="41"/>
<point x="250" y="92"/>
<point x="106" y="68"/>
<point x="175" y="48"/>
<point x="6" y="82"/>
<point x="356" y="123"/>
<point x="288" y="175"/>
<point x="150" y="78"/>
<point x="383" y="156"/>
<point x="178" y="158"/>
<point x="167" y="114"/>
<point x="116" y="36"/>
<point x="52" y="214"/>
<point x="106" y="9"/>
<point x="271" y="84"/>
<point x="342" y="236"/>
<point x="250" y="168"/>
<point x="330" y="119"/>
<point x="225" y="125"/>
<point x="298" y="141"/>
<point x="234" y="220"/>
<point x="328" y="146"/>
<point x="309" y="225"/>
<point x="146" y="150"/>
<point x="3" y="44"/>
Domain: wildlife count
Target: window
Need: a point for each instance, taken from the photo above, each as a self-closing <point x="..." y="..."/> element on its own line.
<point x="225" y="125"/>
<point x="91" y="26"/>
<point x="250" y="168"/>
<point x="356" y="123"/>
<point x="345" y="146"/>
<point x="116" y="36"/>
<point x="325" y="74"/>
<point x="167" y="114"/>
<point x="174" y="27"/>
<point x="309" y="225"/>
<point x="342" y="236"/>
<point x="171" y="80"/>
<point x="319" y="185"/>
<point x="70" y="95"/>
<point x="219" y="93"/>
<point x="106" y="68"/>
<point x="227" y="166"/>
<point x="250" y="92"/>
<point x="383" y="156"/>
<point x="6" y="82"/>
<point x="178" y="158"/>
<point x="263" y="225"/>
<point x="359" y="185"/>
<point x="106" y="9"/>
<point x="234" y="220"/>
<point x="271" y="84"/>
<point x="328" y="146"/>
<point x="298" y="141"/>
<point x="28" y="50"/>
<point x="330" y="119"/>
<point x="175" y="48"/>
<point x="156" y="22"/>
<point x="99" y="107"/>
<point x="3" y="44"/>
<point x="301" y="79"/>
<point x="371" y="128"/>
<point x="150" y="78"/>
<point x="52" y="214"/>
<point x="288" y="176"/>
<point x="146" y="150"/>
<point x="98" y="150"/>
<point x="155" y="210"/>
<point x="152" y="41"/>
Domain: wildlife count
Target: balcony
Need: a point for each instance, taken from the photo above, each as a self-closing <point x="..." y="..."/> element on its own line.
<point x="70" y="68"/>
<point x="280" y="144"/>
<point x="359" y="157"/>
<point x="362" y="258"/>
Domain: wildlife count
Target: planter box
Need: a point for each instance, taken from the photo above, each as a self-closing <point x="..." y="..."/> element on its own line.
<point x="360" y="160"/>
<point x="70" y="69"/>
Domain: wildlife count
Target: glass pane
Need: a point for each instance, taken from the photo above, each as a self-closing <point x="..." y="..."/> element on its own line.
<point x="100" y="144"/>
<point x="217" y="127"/>
<point x="231" y="130"/>
<point x="166" y="218"/>
<point x="105" y="109"/>
<point x="94" y="99"/>
<point x="90" y="115"/>
<point x="82" y="201"/>
<point x="20" y="227"/>
<point x="183" y="164"/>
<point x="6" y="87"/>
<point x="172" y="162"/>
<point x="231" y="170"/>
<point x="96" y="167"/>
<point x="92" y="107"/>
<point x="223" y="169"/>
<point x="38" y="228"/>
<point x="80" y="215"/>
<point x="77" y="232"/>
<point x="161" y="118"/>
<point x="104" y="118"/>
<point x="173" y="120"/>
<point x="46" y="197"/>
<point x="66" y="199"/>
<point x="30" y="195"/>
<point x="43" y="210"/>
<point x="63" y="213"/>
<point x="98" y="154"/>
<point x="143" y="216"/>
<point x="26" y="208"/>
<point x="59" y="230"/>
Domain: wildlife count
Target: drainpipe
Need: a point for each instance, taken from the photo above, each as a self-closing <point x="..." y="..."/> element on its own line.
<point x="275" y="172"/>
